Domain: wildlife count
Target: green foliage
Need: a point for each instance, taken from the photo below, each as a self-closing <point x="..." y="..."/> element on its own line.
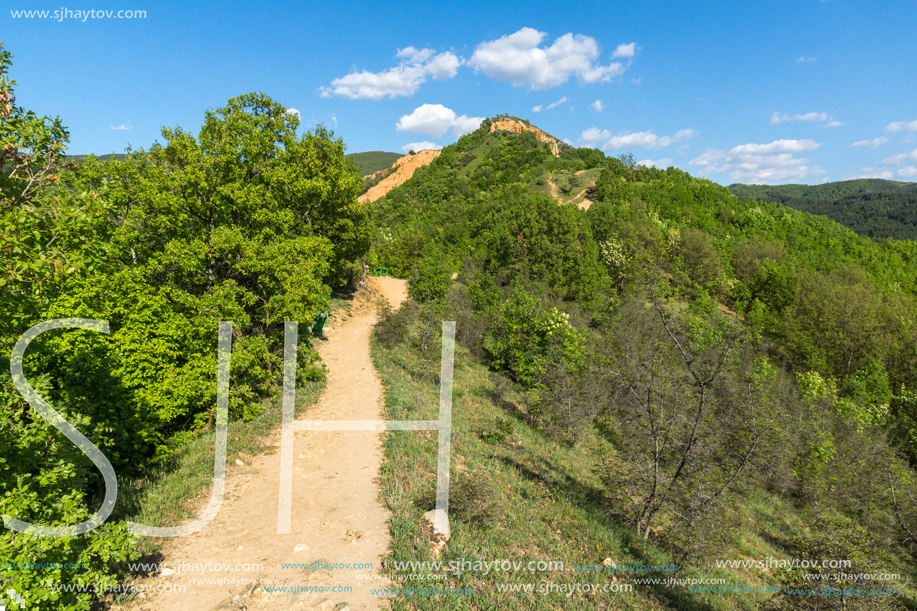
<point x="548" y="243"/>
<point x="30" y="146"/>
<point x="245" y="222"/>
<point x="525" y="336"/>
<point x="831" y="540"/>
<point x="872" y="207"/>
<point x="371" y="162"/>
<point x="44" y="479"/>
<point x="430" y="279"/>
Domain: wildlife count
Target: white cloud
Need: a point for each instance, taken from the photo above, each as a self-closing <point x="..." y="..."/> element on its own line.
<point x="414" y="56"/>
<point x="293" y="112"/>
<point x="593" y="136"/>
<point x="435" y="120"/>
<point x="900" y="159"/>
<point x="420" y="146"/>
<point x="657" y="163"/>
<point x="443" y="67"/>
<point x="465" y="125"/>
<point x="539" y="107"/>
<point x="802" y="59"/>
<point x="626" y="51"/>
<point x="598" y="106"/>
<point x="809" y="117"/>
<point x="647" y="140"/>
<point x="900" y="126"/>
<point x="520" y="59"/>
<point x="120" y="128"/>
<point x="871" y="143"/>
<point x="762" y="163"/>
<point x="886" y="167"/>
<point x="402" y="80"/>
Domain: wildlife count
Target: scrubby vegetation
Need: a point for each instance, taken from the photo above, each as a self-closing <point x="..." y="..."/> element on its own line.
<point x="698" y="359"/>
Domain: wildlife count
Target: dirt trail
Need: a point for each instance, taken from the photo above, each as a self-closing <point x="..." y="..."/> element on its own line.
<point x="338" y="516"/>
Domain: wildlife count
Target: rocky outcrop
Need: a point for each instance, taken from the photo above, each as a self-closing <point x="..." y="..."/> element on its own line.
<point x="517" y="127"/>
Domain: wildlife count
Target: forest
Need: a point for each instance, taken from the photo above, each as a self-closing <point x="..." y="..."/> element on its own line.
<point x="872" y="207"/>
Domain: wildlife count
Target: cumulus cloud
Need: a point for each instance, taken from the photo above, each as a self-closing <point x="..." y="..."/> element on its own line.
<point x="647" y="140"/>
<point x="120" y="128"/>
<point x="592" y="136"/>
<point x="522" y="60"/>
<point x="656" y="163"/>
<point x="293" y="112"/>
<point x="435" y="120"/>
<point x="443" y="67"/>
<point x="809" y="117"/>
<point x="908" y="172"/>
<point x="802" y="59"/>
<point x="626" y="51"/>
<point x="420" y="146"/>
<point x="539" y="107"/>
<point x="762" y="163"/>
<point x="402" y="80"/>
<point x="598" y="106"/>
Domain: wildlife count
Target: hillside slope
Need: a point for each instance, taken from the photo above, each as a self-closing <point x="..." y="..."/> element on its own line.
<point x="591" y="331"/>
<point x="370" y="162"/>
<point x="872" y="207"/>
<point x="403" y="168"/>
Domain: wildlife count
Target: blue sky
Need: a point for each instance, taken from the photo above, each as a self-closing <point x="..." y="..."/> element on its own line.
<point x="779" y="92"/>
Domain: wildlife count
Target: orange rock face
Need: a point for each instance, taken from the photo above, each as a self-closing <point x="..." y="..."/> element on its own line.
<point x="404" y="169"/>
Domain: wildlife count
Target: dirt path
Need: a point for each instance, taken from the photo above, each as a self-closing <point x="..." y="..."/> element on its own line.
<point x="337" y="515"/>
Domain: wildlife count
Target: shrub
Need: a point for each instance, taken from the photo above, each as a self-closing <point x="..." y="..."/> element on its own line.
<point x="430" y="280"/>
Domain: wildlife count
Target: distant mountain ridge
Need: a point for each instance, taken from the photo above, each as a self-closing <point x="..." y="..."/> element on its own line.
<point x="872" y="207"/>
<point x="370" y="162"/>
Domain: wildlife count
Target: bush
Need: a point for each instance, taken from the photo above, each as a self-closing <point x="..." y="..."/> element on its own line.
<point x="430" y="280"/>
<point x="525" y="336"/>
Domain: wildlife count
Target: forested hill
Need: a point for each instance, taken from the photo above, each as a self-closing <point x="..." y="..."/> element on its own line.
<point x="870" y="206"/>
<point x="372" y="161"/>
<point x="739" y="377"/>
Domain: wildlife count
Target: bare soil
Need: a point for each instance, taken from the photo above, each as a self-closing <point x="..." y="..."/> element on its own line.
<point x="404" y="169"/>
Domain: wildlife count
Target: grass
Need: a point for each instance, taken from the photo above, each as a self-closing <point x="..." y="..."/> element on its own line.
<point x="519" y="493"/>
